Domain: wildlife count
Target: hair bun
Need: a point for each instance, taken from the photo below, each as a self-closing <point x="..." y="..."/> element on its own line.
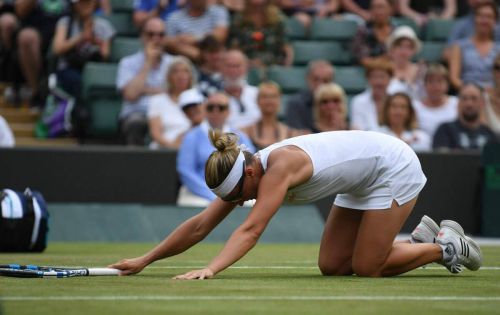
<point x="223" y="141"/>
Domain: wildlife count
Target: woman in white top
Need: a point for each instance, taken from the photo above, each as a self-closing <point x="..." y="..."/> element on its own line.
<point x="167" y="121"/>
<point x="376" y="177"/>
<point x="366" y="108"/>
<point x="492" y="105"/>
<point x="399" y="120"/>
<point x="436" y="107"/>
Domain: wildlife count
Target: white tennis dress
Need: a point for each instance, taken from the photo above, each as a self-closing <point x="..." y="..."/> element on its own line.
<point x="367" y="170"/>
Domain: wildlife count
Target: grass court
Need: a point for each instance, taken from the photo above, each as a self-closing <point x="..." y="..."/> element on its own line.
<point x="271" y="279"/>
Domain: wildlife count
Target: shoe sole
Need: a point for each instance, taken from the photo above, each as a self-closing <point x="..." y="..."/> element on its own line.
<point x="457" y="228"/>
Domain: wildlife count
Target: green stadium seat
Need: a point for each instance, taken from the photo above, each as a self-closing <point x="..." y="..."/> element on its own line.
<point x="332" y="29"/>
<point x="254" y="76"/>
<point x="124" y="46"/>
<point x="437" y="30"/>
<point x="101" y="98"/>
<point x="305" y="51"/>
<point x="290" y="79"/>
<point x="431" y="52"/>
<point x="351" y="78"/>
<point x="295" y="29"/>
<point x="122" y="5"/>
<point x="122" y="22"/>
<point x="104" y="116"/>
<point x="398" y="21"/>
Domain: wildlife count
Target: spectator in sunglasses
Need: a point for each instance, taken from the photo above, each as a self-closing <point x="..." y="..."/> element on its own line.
<point x="139" y="77"/>
<point x="330" y="108"/>
<point x="196" y="148"/>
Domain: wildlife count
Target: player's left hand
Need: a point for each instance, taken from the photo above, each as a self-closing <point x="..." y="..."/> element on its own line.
<point x="200" y="274"/>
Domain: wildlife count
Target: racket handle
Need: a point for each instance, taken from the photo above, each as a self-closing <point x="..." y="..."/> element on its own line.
<point x="103" y="272"/>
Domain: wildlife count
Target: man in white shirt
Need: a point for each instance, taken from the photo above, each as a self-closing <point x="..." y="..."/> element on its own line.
<point x="6" y="136"/>
<point x="243" y="97"/>
<point x="140" y="76"/>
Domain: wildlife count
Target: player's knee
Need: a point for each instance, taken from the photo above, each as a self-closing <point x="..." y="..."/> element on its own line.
<point x="366" y="269"/>
<point x="334" y="269"/>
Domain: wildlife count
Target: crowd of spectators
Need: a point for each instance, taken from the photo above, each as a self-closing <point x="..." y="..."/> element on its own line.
<point x="192" y="72"/>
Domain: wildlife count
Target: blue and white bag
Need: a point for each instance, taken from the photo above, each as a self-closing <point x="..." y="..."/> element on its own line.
<point x="24" y="221"/>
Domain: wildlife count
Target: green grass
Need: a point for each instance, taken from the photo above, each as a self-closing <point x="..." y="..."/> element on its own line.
<point x="256" y="286"/>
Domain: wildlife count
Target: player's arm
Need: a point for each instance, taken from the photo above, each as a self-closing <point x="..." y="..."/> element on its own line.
<point x="272" y="189"/>
<point x="183" y="237"/>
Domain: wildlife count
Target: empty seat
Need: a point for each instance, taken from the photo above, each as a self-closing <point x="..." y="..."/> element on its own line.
<point x="351" y="78"/>
<point x="438" y="30"/>
<point x="305" y="51"/>
<point x="124" y="46"/>
<point x="122" y="5"/>
<point x="290" y="79"/>
<point x="101" y="98"/>
<point x="332" y="29"/>
<point x="122" y="22"/>
<point x="294" y="29"/>
<point x="431" y="52"/>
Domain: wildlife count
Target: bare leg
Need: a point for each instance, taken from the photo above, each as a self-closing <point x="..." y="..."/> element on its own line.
<point x="375" y="253"/>
<point x="29" y="43"/>
<point x="8" y="24"/>
<point x="337" y="243"/>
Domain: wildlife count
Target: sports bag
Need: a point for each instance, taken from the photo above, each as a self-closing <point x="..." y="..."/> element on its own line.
<point x="24" y="221"/>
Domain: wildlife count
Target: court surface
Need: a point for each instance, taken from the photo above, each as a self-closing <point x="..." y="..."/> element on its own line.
<point x="271" y="279"/>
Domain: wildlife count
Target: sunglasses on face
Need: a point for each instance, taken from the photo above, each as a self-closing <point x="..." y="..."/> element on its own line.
<point x="239" y="195"/>
<point x="219" y="107"/>
<point x="151" y="34"/>
<point x="330" y="100"/>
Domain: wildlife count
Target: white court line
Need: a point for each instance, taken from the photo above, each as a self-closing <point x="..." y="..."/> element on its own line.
<point x="248" y="298"/>
<point x="285" y="267"/>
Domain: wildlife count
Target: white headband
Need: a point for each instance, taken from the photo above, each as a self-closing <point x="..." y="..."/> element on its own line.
<point x="232" y="178"/>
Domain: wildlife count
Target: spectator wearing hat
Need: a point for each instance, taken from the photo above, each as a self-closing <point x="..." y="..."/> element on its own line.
<point x="167" y="121"/>
<point x="139" y="77"/>
<point x="467" y="132"/>
<point x="402" y="46"/>
<point x="196" y="148"/>
<point x="192" y="104"/>
<point x="370" y="41"/>
<point x="472" y="58"/>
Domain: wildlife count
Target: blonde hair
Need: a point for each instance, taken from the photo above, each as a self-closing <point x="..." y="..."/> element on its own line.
<point x="221" y="161"/>
<point x="180" y="61"/>
<point x="329" y="90"/>
<point x="436" y="69"/>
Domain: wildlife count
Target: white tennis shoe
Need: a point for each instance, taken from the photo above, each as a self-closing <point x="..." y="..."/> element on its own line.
<point x="425" y="232"/>
<point x="458" y="249"/>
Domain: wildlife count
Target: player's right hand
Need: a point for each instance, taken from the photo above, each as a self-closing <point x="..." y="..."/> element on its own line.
<point x="129" y="266"/>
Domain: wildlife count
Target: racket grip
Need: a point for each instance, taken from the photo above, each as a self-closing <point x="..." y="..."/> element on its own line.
<point x="103" y="272"/>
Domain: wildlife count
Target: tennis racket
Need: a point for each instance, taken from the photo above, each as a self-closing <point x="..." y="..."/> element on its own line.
<point x="32" y="271"/>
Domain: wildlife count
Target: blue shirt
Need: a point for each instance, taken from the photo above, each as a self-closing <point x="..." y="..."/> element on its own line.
<point x="192" y="156"/>
<point x="148" y="5"/>
<point x="465" y="28"/>
<point x="476" y="68"/>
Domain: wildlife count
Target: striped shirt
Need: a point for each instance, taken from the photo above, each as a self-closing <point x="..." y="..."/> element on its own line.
<point x="180" y="22"/>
